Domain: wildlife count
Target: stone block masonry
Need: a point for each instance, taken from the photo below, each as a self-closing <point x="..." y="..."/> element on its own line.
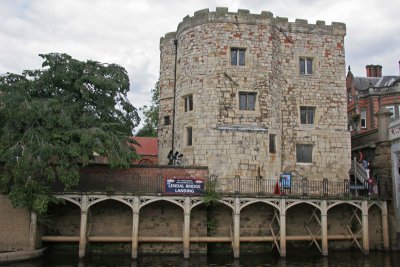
<point x="14" y="226"/>
<point x="232" y="139"/>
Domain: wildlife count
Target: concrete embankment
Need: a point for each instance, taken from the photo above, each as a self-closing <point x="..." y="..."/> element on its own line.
<point x="20" y="255"/>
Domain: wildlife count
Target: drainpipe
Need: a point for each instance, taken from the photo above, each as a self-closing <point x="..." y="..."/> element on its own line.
<point x="174" y="96"/>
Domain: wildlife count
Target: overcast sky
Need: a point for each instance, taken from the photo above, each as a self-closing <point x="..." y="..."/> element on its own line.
<point x="127" y="32"/>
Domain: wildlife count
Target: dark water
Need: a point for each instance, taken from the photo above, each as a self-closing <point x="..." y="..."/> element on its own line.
<point x="294" y="259"/>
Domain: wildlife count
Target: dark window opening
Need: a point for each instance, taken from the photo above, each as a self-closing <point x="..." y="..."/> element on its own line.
<point x="167" y="120"/>
<point x="272" y="144"/>
<point x="363" y="118"/>
<point x="303" y="153"/>
<point x="247" y="101"/>
<point x="307" y="115"/>
<point x="238" y="56"/>
<point x="189" y="136"/>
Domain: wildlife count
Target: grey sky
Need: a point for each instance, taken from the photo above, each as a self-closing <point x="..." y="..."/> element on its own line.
<point x="127" y="32"/>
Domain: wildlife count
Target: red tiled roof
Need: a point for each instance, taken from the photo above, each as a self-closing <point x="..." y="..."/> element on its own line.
<point x="148" y="145"/>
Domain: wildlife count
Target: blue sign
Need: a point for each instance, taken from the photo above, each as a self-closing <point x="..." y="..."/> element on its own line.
<point x="286" y="179"/>
<point x="184" y="186"/>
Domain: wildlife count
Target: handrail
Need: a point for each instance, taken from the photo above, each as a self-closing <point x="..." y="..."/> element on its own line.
<point x="360" y="173"/>
<point x="154" y="184"/>
<point x="256" y="187"/>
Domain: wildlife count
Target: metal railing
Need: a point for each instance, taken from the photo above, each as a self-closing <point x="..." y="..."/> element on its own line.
<point x="299" y="188"/>
<point x="360" y="173"/>
<point x="251" y="187"/>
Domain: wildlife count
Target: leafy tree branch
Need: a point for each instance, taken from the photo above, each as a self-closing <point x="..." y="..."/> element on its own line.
<point x="53" y="120"/>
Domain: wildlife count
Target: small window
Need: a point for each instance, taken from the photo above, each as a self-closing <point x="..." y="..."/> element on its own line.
<point x="188" y="103"/>
<point x="167" y="120"/>
<point x="307" y="115"/>
<point x="306" y="65"/>
<point x="238" y="56"/>
<point x="272" y="144"/>
<point x="363" y="118"/>
<point x="391" y="109"/>
<point x="303" y="153"/>
<point x="189" y="136"/>
<point x="247" y="100"/>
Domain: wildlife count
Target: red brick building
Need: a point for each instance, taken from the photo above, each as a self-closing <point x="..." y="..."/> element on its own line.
<point x="373" y="102"/>
<point x="366" y="96"/>
<point x="373" y="109"/>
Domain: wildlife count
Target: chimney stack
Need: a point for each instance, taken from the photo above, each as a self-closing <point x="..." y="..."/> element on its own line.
<point x="378" y="71"/>
<point x="374" y="70"/>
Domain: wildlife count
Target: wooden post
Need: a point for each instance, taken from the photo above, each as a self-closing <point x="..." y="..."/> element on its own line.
<point x="236" y="228"/>
<point x="385" y="226"/>
<point x="186" y="229"/>
<point x="282" y="214"/>
<point x="364" y="206"/>
<point x="324" y="228"/>
<point x="135" y="227"/>
<point x="83" y="228"/>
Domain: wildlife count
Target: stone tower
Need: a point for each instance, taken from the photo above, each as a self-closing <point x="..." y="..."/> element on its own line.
<point x="255" y="95"/>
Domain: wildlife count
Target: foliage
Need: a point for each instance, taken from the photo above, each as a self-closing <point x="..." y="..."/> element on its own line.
<point x="211" y="195"/>
<point x="212" y="226"/>
<point x="53" y="120"/>
<point x="151" y="120"/>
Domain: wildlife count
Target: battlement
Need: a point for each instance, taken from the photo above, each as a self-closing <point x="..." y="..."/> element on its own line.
<point x="243" y="16"/>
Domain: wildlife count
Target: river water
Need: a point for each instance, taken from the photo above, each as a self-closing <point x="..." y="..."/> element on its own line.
<point x="294" y="259"/>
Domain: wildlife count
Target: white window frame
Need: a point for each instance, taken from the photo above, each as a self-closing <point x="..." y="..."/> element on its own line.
<point x="306" y="60"/>
<point x="188" y="103"/>
<point x="391" y="109"/>
<point x="363" y="118"/>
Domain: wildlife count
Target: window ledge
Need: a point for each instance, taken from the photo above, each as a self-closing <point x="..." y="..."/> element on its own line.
<point x="241" y="128"/>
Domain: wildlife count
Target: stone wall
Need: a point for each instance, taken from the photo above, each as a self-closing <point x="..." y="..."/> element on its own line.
<point x="231" y="141"/>
<point x="14" y="226"/>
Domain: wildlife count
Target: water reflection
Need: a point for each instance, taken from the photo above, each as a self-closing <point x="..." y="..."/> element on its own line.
<point x="294" y="259"/>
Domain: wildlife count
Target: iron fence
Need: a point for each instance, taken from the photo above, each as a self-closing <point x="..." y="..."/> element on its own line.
<point x="251" y="187"/>
<point x="300" y="188"/>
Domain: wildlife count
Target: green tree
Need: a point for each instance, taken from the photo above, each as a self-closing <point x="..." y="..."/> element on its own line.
<point x="53" y="120"/>
<point x="150" y="126"/>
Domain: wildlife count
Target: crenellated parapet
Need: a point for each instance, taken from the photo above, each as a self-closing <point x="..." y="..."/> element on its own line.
<point x="243" y="16"/>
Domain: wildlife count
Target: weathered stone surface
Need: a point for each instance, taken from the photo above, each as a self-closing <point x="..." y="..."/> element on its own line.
<point x="273" y="48"/>
<point x="14" y="226"/>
